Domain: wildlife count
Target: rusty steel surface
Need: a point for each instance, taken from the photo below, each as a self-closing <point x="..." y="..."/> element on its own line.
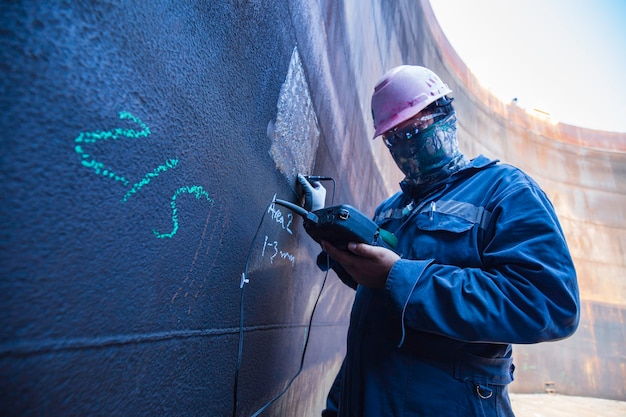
<point x="582" y="171"/>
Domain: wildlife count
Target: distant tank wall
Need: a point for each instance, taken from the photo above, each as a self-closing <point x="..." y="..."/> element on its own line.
<point x="583" y="171"/>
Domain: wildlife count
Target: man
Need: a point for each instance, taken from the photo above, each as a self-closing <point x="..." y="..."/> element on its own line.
<point x="480" y="263"/>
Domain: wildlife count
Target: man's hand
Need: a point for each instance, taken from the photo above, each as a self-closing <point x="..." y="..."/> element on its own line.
<point x="314" y="194"/>
<point x="368" y="265"/>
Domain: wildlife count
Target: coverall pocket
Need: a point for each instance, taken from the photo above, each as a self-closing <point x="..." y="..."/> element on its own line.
<point x="437" y="221"/>
<point x="455" y="216"/>
<point x="444" y="237"/>
<point x="486" y="381"/>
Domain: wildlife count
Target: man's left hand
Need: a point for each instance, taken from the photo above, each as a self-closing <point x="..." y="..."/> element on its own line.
<point x="368" y="265"/>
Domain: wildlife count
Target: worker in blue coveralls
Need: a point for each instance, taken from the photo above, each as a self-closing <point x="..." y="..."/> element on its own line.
<point x="480" y="263"/>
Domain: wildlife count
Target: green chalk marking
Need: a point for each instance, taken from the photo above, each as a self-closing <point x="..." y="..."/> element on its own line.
<point x="92" y="137"/>
<point x="169" y="164"/>
<point x="193" y="189"/>
<point x="100" y="169"/>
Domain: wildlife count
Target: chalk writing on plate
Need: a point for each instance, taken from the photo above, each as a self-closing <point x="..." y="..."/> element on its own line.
<point x="277" y="215"/>
<point x="99" y="168"/>
<point x="273" y="251"/>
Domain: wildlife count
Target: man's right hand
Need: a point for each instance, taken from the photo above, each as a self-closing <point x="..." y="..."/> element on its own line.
<point x="314" y="194"/>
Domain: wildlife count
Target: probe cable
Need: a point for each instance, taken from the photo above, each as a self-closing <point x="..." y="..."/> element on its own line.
<point x="307" y="335"/>
<point x="244" y="281"/>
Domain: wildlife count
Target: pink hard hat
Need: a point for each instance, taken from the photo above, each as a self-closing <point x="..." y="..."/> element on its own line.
<point x="403" y="92"/>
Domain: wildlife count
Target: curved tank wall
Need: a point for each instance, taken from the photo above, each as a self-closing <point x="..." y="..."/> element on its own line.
<point x="142" y="146"/>
<point x="143" y="143"/>
<point x="582" y="171"/>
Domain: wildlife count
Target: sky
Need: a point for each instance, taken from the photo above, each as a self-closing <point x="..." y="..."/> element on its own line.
<point x="563" y="57"/>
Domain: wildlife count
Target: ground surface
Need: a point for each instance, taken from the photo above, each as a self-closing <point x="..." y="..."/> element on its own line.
<point x="555" y="405"/>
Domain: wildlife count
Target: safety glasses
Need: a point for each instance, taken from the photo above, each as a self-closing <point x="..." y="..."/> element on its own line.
<point x="393" y="136"/>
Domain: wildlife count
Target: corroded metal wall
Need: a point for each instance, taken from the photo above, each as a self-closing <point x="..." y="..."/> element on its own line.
<point x="142" y="145"/>
<point x="583" y="172"/>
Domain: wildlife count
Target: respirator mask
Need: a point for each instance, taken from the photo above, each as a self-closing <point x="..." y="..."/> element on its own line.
<point x="427" y="154"/>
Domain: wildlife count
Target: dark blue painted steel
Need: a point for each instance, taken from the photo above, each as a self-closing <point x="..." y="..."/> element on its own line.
<point x="121" y="259"/>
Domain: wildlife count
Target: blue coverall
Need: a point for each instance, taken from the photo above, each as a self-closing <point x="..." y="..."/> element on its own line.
<point x="484" y="264"/>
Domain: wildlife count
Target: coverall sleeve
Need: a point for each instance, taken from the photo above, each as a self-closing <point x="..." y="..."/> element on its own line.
<point x="525" y="291"/>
